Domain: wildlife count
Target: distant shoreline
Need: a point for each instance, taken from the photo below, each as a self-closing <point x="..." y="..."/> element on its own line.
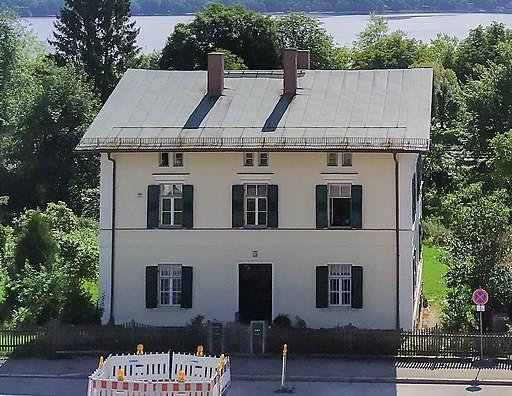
<point x="319" y="13"/>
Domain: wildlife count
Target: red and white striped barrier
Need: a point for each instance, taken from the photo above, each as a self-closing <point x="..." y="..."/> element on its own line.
<point x="148" y="375"/>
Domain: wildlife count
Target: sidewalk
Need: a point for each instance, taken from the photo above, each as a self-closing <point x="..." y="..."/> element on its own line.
<point x="300" y="368"/>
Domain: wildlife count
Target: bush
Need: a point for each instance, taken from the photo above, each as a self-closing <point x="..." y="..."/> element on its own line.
<point x="434" y="232"/>
<point x="282" y="321"/>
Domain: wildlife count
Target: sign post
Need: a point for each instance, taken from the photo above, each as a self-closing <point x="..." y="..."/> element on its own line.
<point x="480" y="298"/>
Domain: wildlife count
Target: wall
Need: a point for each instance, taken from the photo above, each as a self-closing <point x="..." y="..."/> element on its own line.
<point x="215" y="250"/>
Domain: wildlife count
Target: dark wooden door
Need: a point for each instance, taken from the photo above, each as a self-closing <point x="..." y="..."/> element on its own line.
<point x="255" y="292"/>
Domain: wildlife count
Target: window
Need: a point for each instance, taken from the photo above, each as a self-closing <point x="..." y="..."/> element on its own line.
<point x="163" y="159"/>
<point x="178" y="159"/>
<point x="171" y="204"/>
<point x="339" y="205"/>
<point x="248" y="159"/>
<point x="340" y="285"/>
<point x="263" y="159"/>
<point x="256" y="205"/>
<point x="346" y="159"/>
<point x="332" y="159"/>
<point x="169" y="285"/>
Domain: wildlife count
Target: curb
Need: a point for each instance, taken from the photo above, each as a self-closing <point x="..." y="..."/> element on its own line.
<point x="378" y="380"/>
<point x="302" y="378"/>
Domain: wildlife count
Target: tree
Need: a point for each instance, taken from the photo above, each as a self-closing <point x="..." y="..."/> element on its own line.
<point x="247" y="34"/>
<point x="34" y="242"/>
<point x="376" y="48"/>
<point x="302" y="32"/>
<point x="43" y="164"/>
<point x="478" y="245"/>
<point x="97" y="36"/>
<point x="68" y="253"/>
<point x="479" y="48"/>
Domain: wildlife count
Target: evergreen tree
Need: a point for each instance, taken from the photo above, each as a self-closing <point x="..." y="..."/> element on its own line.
<point x="98" y="37"/>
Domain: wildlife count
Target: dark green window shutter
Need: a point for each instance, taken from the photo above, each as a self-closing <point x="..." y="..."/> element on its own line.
<point x="186" y="287"/>
<point x="188" y="206"/>
<point x="322" y="284"/>
<point x="273" y="216"/>
<point x="153" y="206"/>
<point x="357" y="287"/>
<point x="237" y="205"/>
<point x="152" y="286"/>
<point x="357" y="206"/>
<point x="321" y="206"/>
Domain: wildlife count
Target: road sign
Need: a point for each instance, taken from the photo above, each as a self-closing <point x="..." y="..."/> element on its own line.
<point x="480" y="296"/>
<point x="480" y="308"/>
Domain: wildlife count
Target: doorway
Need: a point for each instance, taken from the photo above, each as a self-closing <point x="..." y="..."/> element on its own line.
<point x="255" y="292"/>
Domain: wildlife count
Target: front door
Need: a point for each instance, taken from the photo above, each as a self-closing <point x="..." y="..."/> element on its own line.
<point x="255" y="292"/>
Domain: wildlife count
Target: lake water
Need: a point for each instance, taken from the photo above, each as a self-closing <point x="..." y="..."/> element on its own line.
<point x="154" y="30"/>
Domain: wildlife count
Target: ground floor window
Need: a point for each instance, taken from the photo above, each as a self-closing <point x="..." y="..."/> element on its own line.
<point x="340" y="284"/>
<point x="169" y="282"/>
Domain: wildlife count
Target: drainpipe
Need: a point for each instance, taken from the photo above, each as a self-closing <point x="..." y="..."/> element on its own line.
<point x="397" y="245"/>
<point x="113" y="239"/>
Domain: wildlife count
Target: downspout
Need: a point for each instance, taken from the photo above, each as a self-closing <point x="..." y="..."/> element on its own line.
<point x="113" y="239"/>
<point x="397" y="245"/>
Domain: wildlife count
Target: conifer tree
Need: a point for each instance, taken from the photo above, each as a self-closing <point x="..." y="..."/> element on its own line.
<point x="98" y="37"/>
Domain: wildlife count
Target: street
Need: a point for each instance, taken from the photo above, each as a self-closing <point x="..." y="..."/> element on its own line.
<point x="78" y="387"/>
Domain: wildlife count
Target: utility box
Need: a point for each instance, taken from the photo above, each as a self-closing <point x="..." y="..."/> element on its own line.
<point x="216" y="338"/>
<point x="258" y="336"/>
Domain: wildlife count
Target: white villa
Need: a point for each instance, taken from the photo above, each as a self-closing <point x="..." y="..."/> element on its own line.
<point x="242" y="195"/>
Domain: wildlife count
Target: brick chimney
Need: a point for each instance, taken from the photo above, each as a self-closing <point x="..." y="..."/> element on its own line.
<point x="303" y="59"/>
<point x="290" y="71"/>
<point x="215" y="73"/>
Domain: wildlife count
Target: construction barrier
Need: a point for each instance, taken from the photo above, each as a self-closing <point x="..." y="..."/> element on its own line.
<point x="149" y="375"/>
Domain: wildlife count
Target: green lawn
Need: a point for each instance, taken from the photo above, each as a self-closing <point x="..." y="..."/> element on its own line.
<point x="434" y="285"/>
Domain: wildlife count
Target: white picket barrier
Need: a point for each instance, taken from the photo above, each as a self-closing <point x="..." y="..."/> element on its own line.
<point x="149" y="375"/>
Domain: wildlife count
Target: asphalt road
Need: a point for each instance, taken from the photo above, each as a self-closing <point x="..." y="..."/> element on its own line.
<point x="78" y="387"/>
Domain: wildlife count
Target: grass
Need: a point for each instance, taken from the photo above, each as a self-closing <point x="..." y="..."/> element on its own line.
<point x="434" y="285"/>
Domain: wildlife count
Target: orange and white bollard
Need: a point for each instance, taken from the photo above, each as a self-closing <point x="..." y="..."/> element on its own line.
<point x="283" y="388"/>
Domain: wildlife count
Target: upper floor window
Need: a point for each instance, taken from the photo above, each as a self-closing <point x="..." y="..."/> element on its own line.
<point x="171" y="204"/>
<point x="339" y="205"/>
<point x="248" y="159"/>
<point x="178" y="159"/>
<point x="332" y="159"/>
<point x="263" y="159"/>
<point x="169" y="284"/>
<point x="256" y="207"/>
<point x="163" y="159"/>
<point x="346" y="159"/>
<point x="340" y="285"/>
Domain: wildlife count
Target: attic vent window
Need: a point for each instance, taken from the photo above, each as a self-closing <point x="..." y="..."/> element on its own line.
<point x="248" y="159"/>
<point x="163" y="159"/>
<point x="332" y="159"/>
<point x="178" y="159"/>
<point x="346" y="159"/>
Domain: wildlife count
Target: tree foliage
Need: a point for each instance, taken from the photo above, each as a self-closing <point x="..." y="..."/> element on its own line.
<point x="247" y="34"/>
<point x="377" y="48"/>
<point x="54" y="254"/>
<point x="300" y="31"/>
<point x="97" y="36"/>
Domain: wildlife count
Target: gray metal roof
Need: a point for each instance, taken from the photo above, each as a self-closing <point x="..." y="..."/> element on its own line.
<point x="333" y="109"/>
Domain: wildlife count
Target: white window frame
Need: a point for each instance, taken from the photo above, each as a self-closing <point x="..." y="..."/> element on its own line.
<point x="170" y="285"/>
<point x="263" y="159"/>
<point x="346" y="159"/>
<point x="338" y="191"/>
<point x="340" y="285"/>
<point x="163" y="160"/>
<point x="256" y="199"/>
<point x="178" y="160"/>
<point x="332" y="158"/>
<point x="248" y="159"/>
<point x="173" y="195"/>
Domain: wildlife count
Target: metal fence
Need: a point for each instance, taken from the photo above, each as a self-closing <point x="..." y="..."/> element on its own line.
<point x="239" y="338"/>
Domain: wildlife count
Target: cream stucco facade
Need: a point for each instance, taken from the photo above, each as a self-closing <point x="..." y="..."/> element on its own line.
<point x="215" y="250"/>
